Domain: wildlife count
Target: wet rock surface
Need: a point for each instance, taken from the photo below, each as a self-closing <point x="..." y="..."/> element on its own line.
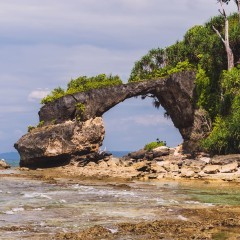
<point x="198" y="224"/>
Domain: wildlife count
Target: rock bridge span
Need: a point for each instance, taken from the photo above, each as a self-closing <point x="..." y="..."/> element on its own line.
<point x="73" y="128"/>
<point x="175" y="93"/>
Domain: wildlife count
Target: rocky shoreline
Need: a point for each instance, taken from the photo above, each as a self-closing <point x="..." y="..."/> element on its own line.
<point x="158" y="164"/>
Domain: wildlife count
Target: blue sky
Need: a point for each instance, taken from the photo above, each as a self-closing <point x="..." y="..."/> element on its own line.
<point x="43" y="44"/>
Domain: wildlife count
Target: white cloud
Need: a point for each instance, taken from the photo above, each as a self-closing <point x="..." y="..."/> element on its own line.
<point x="146" y="120"/>
<point x="37" y="94"/>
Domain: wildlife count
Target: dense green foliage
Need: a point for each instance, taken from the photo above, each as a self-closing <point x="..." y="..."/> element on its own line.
<point x="217" y="90"/>
<point x="225" y="137"/>
<point x="150" y="146"/>
<point x="83" y="84"/>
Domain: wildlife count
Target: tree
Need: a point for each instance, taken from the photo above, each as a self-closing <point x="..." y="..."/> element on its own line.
<point x="237" y="3"/>
<point x="225" y="40"/>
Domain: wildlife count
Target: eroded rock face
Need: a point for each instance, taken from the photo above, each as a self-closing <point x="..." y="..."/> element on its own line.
<point x="58" y="144"/>
<point x="176" y="94"/>
<point x="73" y="127"/>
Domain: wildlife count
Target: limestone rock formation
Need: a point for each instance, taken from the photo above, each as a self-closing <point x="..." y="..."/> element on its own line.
<point x="175" y="93"/>
<point x="73" y="128"/>
<point x="58" y="144"/>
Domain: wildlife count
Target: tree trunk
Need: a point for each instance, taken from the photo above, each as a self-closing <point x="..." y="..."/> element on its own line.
<point x="230" y="55"/>
<point x="225" y="40"/>
<point x="238" y="6"/>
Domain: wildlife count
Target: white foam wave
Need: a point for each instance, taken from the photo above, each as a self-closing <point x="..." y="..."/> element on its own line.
<point x="112" y="230"/>
<point x="39" y="209"/>
<point x="180" y="217"/>
<point x="14" y="210"/>
<point x="36" y="195"/>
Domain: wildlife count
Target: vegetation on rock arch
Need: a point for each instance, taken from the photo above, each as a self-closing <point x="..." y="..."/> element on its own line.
<point x="82" y="84"/>
<point x="217" y="90"/>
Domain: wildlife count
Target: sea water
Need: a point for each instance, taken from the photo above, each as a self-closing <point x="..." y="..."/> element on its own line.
<point x="37" y="209"/>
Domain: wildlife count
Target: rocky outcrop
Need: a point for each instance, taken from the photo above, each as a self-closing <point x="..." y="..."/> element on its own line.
<point x="142" y="165"/>
<point x="3" y="164"/>
<point x="59" y="144"/>
<point x="64" y="119"/>
<point x="175" y="93"/>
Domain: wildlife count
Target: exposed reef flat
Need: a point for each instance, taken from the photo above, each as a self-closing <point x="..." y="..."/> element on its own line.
<point x="221" y="223"/>
<point x="180" y="221"/>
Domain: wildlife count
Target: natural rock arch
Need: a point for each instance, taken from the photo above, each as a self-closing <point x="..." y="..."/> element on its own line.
<point x="73" y="127"/>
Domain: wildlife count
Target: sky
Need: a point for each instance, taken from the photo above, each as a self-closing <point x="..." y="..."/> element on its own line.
<point x="44" y="44"/>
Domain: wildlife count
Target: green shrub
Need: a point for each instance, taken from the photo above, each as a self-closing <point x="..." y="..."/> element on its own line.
<point x="83" y="84"/>
<point x="40" y="124"/>
<point x="150" y="146"/>
<point x="54" y="95"/>
<point x="80" y="107"/>
<point x="30" y="128"/>
<point x="225" y="136"/>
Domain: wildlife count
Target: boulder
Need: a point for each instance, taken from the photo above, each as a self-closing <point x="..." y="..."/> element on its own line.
<point x="173" y="168"/>
<point x="113" y="162"/>
<point x="211" y="169"/>
<point x="149" y="155"/>
<point x="205" y="159"/>
<point x="156" y="168"/>
<point x="3" y="164"/>
<point x="229" y="168"/>
<point x="59" y="144"/>
<point x="225" y="159"/>
<point x="194" y="165"/>
<point x="186" y="172"/>
<point x="140" y="154"/>
<point x="158" y="159"/>
<point x="143" y="166"/>
<point x="160" y="151"/>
